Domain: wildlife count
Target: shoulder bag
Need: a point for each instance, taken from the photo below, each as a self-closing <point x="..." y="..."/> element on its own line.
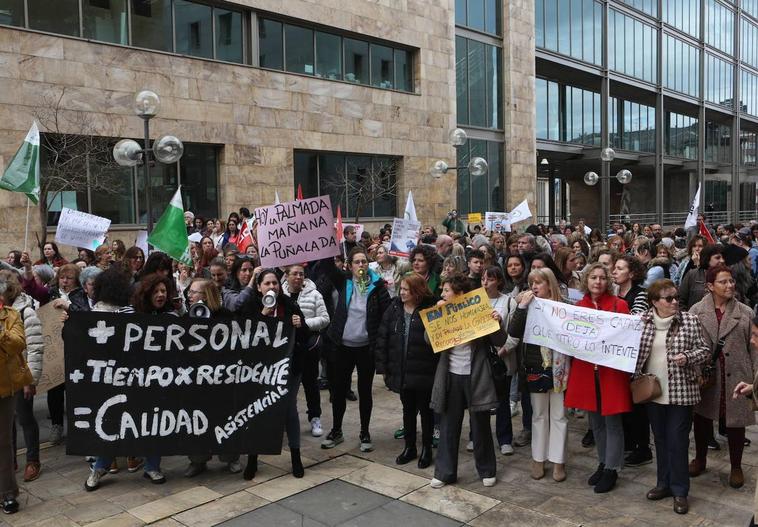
<point x="645" y="388"/>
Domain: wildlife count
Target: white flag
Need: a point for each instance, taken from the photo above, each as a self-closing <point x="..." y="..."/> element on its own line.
<point x="521" y="212"/>
<point x="692" y="216"/>
<point x="410" y="208"/>
<point x="276" y="197"/>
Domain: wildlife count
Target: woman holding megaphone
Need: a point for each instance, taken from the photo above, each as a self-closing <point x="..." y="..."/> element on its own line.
<point x="270" y="302"/>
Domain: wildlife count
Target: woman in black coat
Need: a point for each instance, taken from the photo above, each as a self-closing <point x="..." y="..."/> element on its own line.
<point x="408" y="364"/>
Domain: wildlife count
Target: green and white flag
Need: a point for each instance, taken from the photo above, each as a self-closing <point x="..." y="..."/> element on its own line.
<point x="22" y="174"/>
<point x="170" y="234"/>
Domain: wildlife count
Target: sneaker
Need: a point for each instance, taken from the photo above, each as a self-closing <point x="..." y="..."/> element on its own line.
<point x="524" y="438"/>
<point x="351" y="396"/>
<point x="638" y="458"/>
<point x="90" y="459"/>
<point x="436" y="483"/>
<point x="93" y="481"/>
<point x="436" y="437"/>
<point x="32" y="470"/>
<point x="155" y="476"/>
<point x="588" y="440"/>
<point x="595" y="477"/>
<point x="515" y="409"/>
<point x="193" y="469"/>
<point x="10" y="505"/>
<point x="56" y="434"/>
<point x="235" y="467"/>
<point x="470" y="446"/>
<point x="489" y="482"/>
<point x="366" y="445"/>
<point x="506" y="449"/>
<point x="133" y="464"/>
<point x="399" y="433"/>
<point x="333" y="439"/>
<point x="713" y="444"/>
<point x="114" y="467"/>
<point x="316" y="430"/>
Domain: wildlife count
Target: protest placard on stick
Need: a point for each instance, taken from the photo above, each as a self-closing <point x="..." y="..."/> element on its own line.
<point x="80" y="229"/>
<point x="600" y="337"/>
<point x="404" y="236"/>
<point x="296" y="232"/>
<point x="497" y="221"/>
<point x="463" y="319"/>
<point x="53" y="369"/>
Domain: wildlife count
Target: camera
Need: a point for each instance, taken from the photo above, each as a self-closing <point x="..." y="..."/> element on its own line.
<point x="269" y="299"/>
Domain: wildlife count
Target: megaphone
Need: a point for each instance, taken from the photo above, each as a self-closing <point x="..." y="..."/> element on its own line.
<point x="199" y="310"/>
<point x="269" y="299"/>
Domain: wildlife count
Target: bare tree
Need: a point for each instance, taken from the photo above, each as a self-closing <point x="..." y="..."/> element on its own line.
<point x="73" y="157"/>
<point x="365" y="184"/>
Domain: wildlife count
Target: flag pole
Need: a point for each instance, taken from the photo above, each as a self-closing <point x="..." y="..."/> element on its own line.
<point x="26" y="231"/>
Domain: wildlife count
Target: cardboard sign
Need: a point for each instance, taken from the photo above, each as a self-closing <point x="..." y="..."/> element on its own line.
<point x="475" y="217"/>
<point x="600" y="337"/>
<point x="465" y="318"/>
<point x="80" y="229"/>
<point x="53" y="369"/>
<point x="497" y="221"/>
<point x="404" y="237"/>
<point x="296" y="232"/>
<point x="161" y="385"/>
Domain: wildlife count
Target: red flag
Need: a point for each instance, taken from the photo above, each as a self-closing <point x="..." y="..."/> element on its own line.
<point x="339" y="224"/>
<point x="299" y="192"/>
<point x="246" y="237"/>
<point x="705" y="232"/>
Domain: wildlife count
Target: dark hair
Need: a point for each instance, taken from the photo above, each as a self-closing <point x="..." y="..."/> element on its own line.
<point x="696" y="238"/>
<point x="636" y="268"/>
<point x="476" y="253"/>
<point x="494" y="271"/>
<point x="16" y="259"/>
<point x="521" y="280"/>
<point x="427" y="252"/>
<point x="417" y="287"/>
<point x="354" y="251"/>
<point x="120" y="249"/>
<point x="244" y="211"/>
<point x="458" y="283"/>
<point x="55" y="248"/>
<point x="264" y="272"/>
<point x="707" y="252"/>
<point x="713" y="272"/>
<point x="112" y="286"/>
<point x="550" y="264"/>
<point x="142" y="300"/>
<point x="235" y="284"/>
<point x="157" y="261"/>
<point x="657" y="287"/>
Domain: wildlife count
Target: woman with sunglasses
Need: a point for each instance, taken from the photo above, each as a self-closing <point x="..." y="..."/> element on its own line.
<point x="726" y="328"/>
<point x="671" y="348"/>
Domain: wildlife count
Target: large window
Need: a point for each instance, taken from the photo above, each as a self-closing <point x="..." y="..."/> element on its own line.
<point x="632" y="47"/>
<point x="749" y="93"/>
<point x="649" y="7"/>
<point x="151" y="24"/>
<point x="683" y="15"/>
<point x="750" y="7"/>
<point x="92" y="162"/>
<point x="749" y="43"/>
<point x="719" y="81"/>
<point x="482" y="15"/>
<point x="363" y="185"/>
<point x="12" y="12"/>
<point x="631" y="125"/>
<point x="480" y="193"/>
<point x="681" y="66"/>
<point x="719" y="27"/>
<point x="106" y="21"/>
<point x="570" y="27"/>
<point x="478" y="83"/>
<point x="194" y="29"/>
<point x="748" y="147"/>
<point x="681" y="135"/>
<point x="548" y="110"/>
<point x="718" y="142"/>
<point x="61" y="16"/>
<point x="567" y="113"/>
<point x="300" y="49"/>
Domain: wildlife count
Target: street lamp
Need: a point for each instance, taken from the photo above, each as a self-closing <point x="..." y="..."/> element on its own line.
<point x="477" y="166"/>
<point x="623" y="176"/>
<point x="166" y="149"/>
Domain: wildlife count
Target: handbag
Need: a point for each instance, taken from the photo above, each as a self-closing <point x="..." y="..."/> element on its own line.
<point x="539" y="380"/>
<point x="708" y="372"/>
<point x="499" y="373"/>
<point x="645" y="388"/>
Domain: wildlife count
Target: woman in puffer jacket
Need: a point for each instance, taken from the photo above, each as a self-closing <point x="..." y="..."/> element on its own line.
<point x="35" y="347"/>
<point x="303" y="291"/>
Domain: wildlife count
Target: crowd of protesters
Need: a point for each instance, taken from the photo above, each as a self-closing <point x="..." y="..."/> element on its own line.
<point x="694" y="291"/>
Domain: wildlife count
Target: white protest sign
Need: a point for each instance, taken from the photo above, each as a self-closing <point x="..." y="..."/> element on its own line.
<point x="80" y="229"/>
<point x="404" y="237"/>
<point x="575" y="295"/>
<point x="600" y="337"/>
<point x="141" y="241"/>
<point x="497" y="221"/>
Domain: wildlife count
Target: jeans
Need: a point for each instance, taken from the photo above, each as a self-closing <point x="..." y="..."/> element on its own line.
<point x="340" y="371"/>
<point x="55" y="404"/>
<point x="310" y="382"/>
<point x="503" y="424"/>
<point x="151" y="463"/>
<point x="8" y="485"/>
<point x="29" y="426"/>
<point x="671" y="433"/>
<point x="415" y="402"/>
<point x="609" y="439"/>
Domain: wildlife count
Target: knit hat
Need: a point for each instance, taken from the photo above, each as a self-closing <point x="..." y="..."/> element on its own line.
<point x="45" y="272"/>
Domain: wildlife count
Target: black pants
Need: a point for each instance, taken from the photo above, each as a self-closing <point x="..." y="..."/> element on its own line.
<point x="55" y="398"/>
<point x="415" y="402"/>
<point x="340" y="370"/>
<point x="671" y="432"/>
<point x="458" y="399"/>
<point x="310" y="382"/>
<point x="29" y="426"/>
<point x="637" y="429"/>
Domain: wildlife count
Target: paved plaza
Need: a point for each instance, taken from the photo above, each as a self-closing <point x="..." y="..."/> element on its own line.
<point x="348" y="488"/>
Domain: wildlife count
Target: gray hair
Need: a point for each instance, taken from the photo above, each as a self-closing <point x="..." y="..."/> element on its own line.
<point x="89" y="273"/>
<point x="560" y="239"/>
<point x="45" y="272"/>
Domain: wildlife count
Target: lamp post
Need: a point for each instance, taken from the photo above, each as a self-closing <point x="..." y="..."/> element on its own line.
<point x="477" y="166"/>
<point x="167" y="149"/>
<point x="623" y="176"/>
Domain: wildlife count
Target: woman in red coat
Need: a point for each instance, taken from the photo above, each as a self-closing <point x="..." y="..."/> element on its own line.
<point x="602" y="391"/>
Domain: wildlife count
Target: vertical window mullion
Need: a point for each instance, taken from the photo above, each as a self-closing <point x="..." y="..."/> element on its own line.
<point x="213" y="33"/>
<point x="81" y="18"/>
<point x="173" y="25"/>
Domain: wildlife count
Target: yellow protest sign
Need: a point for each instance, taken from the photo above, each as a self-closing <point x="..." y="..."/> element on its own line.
<point x="463" y="319"/>
<point x="475" y="217"/>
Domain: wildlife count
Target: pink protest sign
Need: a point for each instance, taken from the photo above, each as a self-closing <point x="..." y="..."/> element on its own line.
<point x="296" y="232"/>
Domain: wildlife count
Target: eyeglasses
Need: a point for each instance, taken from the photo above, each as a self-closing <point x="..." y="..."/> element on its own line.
<point x="195" y="292"/>
<point x="728" y="281"/>
<point x="670" y="299"/>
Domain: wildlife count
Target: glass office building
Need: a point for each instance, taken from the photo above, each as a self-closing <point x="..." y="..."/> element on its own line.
<point x="670" y="85"/>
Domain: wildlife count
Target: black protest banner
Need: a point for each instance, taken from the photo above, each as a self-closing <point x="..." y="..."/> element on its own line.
<point x="162" y="385"/>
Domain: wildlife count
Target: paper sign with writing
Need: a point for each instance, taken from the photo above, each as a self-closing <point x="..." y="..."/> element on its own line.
<point x="475" y="217"/>
<point x="53" y="370"/>
<point x="600" y="337"/>
<point x="497" y="221"/>
<point x="463" y="319"/>
<point x="80" y="229"/>
<point x="575" y="295"/>
<point x="296" y="232"/>
<point x="404" y="236"/>
<point x="161" y="385"/>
